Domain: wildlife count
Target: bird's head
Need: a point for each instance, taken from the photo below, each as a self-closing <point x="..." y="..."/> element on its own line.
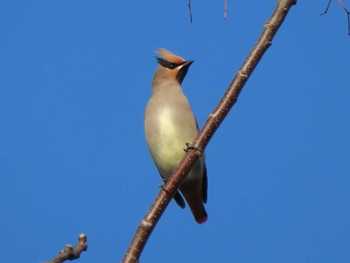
<point x="171" y="67"/>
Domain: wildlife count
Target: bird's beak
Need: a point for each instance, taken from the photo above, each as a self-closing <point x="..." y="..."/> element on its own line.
<point x="188" y="63"/>
<point x="183" y="71"/>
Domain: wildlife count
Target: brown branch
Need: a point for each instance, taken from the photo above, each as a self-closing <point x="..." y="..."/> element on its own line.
<point x="214" y="120"/>
<point x="70" y="253"/>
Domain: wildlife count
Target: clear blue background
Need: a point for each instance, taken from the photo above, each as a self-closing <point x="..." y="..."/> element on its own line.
<point x="75" y="77"/>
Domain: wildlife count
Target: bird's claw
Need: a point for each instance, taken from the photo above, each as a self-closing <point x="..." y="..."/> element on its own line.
<point x="162" y="187"/>
<point x="197" y="151"/>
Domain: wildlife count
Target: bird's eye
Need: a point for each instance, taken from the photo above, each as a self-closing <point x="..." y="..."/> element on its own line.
<point x="166" y="64"/>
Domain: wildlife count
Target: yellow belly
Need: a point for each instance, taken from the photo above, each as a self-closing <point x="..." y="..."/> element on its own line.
<point x="171" y="141"/>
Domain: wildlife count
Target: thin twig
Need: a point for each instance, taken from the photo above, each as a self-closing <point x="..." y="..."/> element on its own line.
<point x="70" y="253"/>
<point x="225" y="9"/>
<point x="326" y="10"/>
<point x="344" y="8"/>
<point x="347" y="14"/>
<point x="162" y="200"/>
<point x="189" y="9"/>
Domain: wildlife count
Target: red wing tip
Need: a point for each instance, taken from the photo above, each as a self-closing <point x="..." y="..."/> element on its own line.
<point x="202" y="220"/>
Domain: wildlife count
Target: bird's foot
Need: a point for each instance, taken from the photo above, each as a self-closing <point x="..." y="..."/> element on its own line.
<point x="197" y="151"/>
<point x="163" y="188"/>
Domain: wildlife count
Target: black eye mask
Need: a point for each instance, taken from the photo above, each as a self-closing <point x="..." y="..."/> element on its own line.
<point x="169" y="65"/>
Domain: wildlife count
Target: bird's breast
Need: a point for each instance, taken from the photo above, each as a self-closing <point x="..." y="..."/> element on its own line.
<point x="169" y="125"/>
<point x="171" y="139"/>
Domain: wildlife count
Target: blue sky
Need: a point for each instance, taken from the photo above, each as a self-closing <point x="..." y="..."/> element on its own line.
<point x="74" y="81"/>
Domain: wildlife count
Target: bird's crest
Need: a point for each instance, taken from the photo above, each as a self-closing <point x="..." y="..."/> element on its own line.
<point x="169" y="57"/>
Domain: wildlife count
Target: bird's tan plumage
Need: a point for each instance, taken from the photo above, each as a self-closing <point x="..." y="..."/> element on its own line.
<point x="169" y="125"/>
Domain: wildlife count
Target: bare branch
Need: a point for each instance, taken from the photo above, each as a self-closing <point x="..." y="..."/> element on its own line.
<point x="326" y="10"/>
<point x="225" y="9"/>
<point x="344" y="8"/>
<point x="347" y="14"/>
<point x="153" y="215"/>
<point x="70" y="253"/>
<point x="189" y="9"/>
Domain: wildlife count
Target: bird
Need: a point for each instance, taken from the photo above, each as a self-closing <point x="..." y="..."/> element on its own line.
<point x="170" y="125"/>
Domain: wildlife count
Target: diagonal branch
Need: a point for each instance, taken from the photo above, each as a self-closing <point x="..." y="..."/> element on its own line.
<point x="213" y="122"/>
